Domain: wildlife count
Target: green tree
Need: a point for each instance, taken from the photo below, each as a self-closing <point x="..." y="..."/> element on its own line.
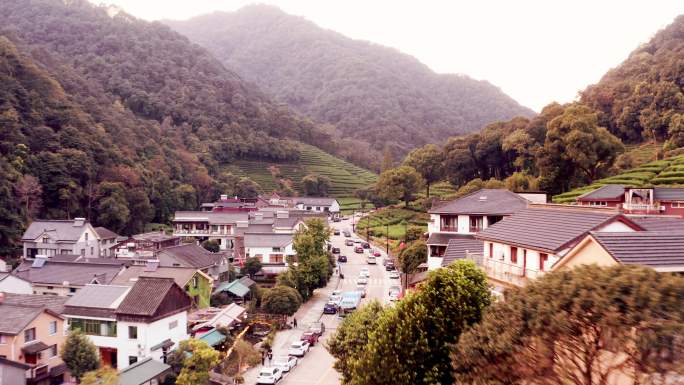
<point x="29" y="191"/>
<point x="352" y="336"/>
<point x="213" y="246"/>
<point x="113" y="211"/>
<point x="387" y="160"/>
<point x="429" y="162"/>
<point x="580" y="326"/>
<point x="185" y="197"/>
<point x="316" y="185"/>
<point x="410" y="342"/>
<point x="102" y="376"/>
<point x="281" y="300"/>
<point x="251" y="267"/>
<point x="79" y="354"/>
<point x="411" y="257"/>
<point x="247" y="188"/>
<point x="196" y="366"/>
<point x="675" y="131"/>
<point x="399" y="184"/>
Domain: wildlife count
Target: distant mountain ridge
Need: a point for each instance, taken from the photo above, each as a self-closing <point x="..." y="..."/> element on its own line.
<point x="369" y="92"/>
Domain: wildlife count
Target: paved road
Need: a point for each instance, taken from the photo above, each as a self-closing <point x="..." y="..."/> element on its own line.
<point x="316" y="367"/>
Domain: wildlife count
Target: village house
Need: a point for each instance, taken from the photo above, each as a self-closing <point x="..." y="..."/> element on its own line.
<point x="456" y="222"/>
<point x="53" y="237"/>
<point x="196" y="284"/>
<point x="65" y="278"/>
<point x="637" y="200"/>
<point x="210" y="225"/>
<point x="329" y="206"/>
<point x="108" y="239"/>
<point x="235" y="204"/>
<point x="32" y="333"/>
<point x="528" y="243"/>
<point x="141" y="247"/>
<point x="272" y="249"/>
<point x="131" y="323"/>
<point x="215" y="265"/>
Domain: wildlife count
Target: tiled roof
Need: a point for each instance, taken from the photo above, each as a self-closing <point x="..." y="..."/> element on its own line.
<point x="62" y="230"/>
<point x="484" y="202"/>
<point x="52" y="302"/>
<point x="105" y="233"/>
<point x="607" y="192"/>
<point x="267" y="239"/>
<point x="442" y="239"/>
<point x="99" y="296"/>
<point x="192" y="255"/>
<point x="154" y="236"/>
<point x="145" y="296"/>
<point x="659" y="223"/>
<point x="668" y="193"/>
<point x="15" y="317"/>
<point x="457" y="249"/>
<point x="142" y="372"/>
<point x="548" y="229"/>
<point x="180" y="275"/>
<point x="76" y="273"/>
<point x="247" y="281"/>
<point x="657" y="249"/>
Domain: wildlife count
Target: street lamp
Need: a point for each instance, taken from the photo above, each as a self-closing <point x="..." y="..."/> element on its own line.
<point x="367" y="228"/>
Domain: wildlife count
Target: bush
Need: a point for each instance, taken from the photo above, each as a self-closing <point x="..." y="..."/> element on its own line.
<point x="281" y="300"/>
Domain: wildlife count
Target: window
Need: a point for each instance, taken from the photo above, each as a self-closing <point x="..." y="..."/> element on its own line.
<point x="72" y="290"/>
<point x="29" y="335"/>
<point x="677" y="205"/>
<point x="173" y="324"/>
<point x="93" y="327"/>
<point x="133" y="332"/>
<point x="514" y="254"/>
<point x="83" y="252"/>
<point x="51" y="351"/>
<point x="86" y="237"/>
<point x="194" y="282"/>
<point x="50" y="287"/>
<point x="275" y="249"/>
<point x="598" y="203"/>
<point x="132" y="360"/>
<point x="46" y="239"/>
<point x="491" y="250"/>
<point x="3" y="339"/>
<point x="52" y="329"/>
<point x="92" y="250"/>
<point x="543" y="257"/>
<point x="176" y="265"/>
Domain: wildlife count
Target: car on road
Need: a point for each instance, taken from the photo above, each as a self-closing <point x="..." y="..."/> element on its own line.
<point x="365" y="245"/>
<point x="335" y="250"/>
<point x="358" y="250"/>
<point x="394" y="274"/>
<point x="342" y="258"/>
<point x="269" y="375"/>
<point x="349" y="242"/>
<point x="285" y="363"/>
<point x="317" y="328"/>
<point x="309" y="337"/>
<point x="346" y="233"/>
<point x="336" y="232"/>
<point x="376" y="253"/>
<point x="364" y="272"/>
<point x="394" y="292"/>
<point x="298" y="348"/>
<point x="362" y="280"/>
<point x="357" y="241"/>
<point x="361" y="289"/>
<point x="389" y="266"/>
<point x="371" y="260"/>
<point x="330" y="307"/>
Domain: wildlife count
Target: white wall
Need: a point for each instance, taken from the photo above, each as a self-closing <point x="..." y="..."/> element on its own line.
<point x="502" y="253"/>
<point x="149" y="335"/>
<point x="93" y="242"/>
<point x="433" y="224"/>
<point x="434" y="262"/>
<point x="335" y="207"/>
<point x="266" y="252"/>
<point x="616" y="227"/>
<point x="464" y="224"/>
<point x="12" y="284"/>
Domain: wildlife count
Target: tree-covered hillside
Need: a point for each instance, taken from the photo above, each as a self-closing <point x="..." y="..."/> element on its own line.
<point x="370" y="93"/>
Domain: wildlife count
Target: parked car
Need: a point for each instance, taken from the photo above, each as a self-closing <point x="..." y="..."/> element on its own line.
<point x="394" y="292"/>
<point x="365" y="245"/>
<point x="317" y="328"/>
<point x="346" y="233"/>
<point x="309" y="337"/>
<point x="298" y="348"/>
<point x="365" y="272"/>
<point x="349" y="242"/>
<point x="335" y="250"/>
<point x="336" y="232"/>
<point x="330" y="307"/>
<point x="357" y="241"/>
<point x="370" y="260"/>
<point x="362" y="280"/>
<point x="389" y="266"/>
<point x="376" y="253"/>
<point x="358" y="250"/>
<point x="342" y="258"/>
<point x="269" y="375"/>
<point x="285" y="363"/>
<point x="394" y="274"/>
<point x="361" y="289"/>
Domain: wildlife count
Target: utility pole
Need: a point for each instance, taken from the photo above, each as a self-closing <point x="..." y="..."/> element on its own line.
<point x="367" y="228"/>
<point x="387" y="239"/>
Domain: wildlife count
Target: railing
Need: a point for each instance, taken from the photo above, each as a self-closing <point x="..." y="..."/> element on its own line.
<point x="642" y="207"/>
<point x="201" y="232"/>
<point x="504" y="271"/>
<point x="475" y="229"/>
<point x="39" y="372"/>
<point x="448" y="228"/>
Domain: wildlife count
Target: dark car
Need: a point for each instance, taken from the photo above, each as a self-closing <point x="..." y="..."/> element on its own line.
<point x="336" y="232"/>
<point x="349" y="242"/>
<point x="366" y="245"/>
<point x="335" y="250"/>
<point x="346" y="233"/>
<point x="342" y="258"/>
<point x="389" y="266"/>
<point x="330" y="308"/>
<point x="358" y="250"/>
<point x="309" y="337"/>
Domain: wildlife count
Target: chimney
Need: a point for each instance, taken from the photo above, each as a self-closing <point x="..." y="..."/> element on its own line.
<point x="224" y="197"/>
<point x="78" y="222"/>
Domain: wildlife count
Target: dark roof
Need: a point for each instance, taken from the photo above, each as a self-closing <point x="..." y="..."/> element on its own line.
<point x="147" y="295"/>
<point x="180" y="275"/>
<point x="442" y="239"/>
<point x="76" y="273"/>
<point x="52" y="302"/>
<point x="192" y="255"/>
<point x="668" y="193"/>
<point x="605" y="193"/>
<point x="548" y="228"/>
<point x="34" y="347"/>
<point x="656" y="249"/>
<point x="105" y="233"/>
<point x="659" y="223"/>
<point x="62" y="230"/>
<point x="267" y="239"/>
<point x="457" y="249"/>
<point x="484" y="202"/>
<point x="142" y="372"/>
<point x="15" y="317"/>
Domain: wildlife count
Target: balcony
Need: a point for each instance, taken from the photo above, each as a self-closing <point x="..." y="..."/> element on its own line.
<point x="475" y="229"/>
<point x="38" y="372"/>
<point x="192" y="232"/>
<point x="643" y="207"/>
<point x="504" y="271"/>
<point x="448" y="229"/>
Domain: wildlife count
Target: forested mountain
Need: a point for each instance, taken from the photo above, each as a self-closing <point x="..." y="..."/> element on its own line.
<point x="370" y="93"/>
<point x="122" y="121"/>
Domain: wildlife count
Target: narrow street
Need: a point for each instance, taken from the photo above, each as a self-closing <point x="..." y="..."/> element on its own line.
<point x="316" y="367"/>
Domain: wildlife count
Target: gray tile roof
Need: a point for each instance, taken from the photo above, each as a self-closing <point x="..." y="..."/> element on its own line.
<point x="180" y="275"/>
<point x="76" y="273"/>
<point x="52" y="302"/>
<point x="267" y="239"/>
<point x="193" y="255"/>
<point x="105" y="233"/>
<point x="146" y="296"/>
<point x="457" y="249"/>
<point x="484" y="202"/>
<point x="63" y="230"/>
<point x="547" y="228"/>
<point x="668" y="193"/>
<point x="98" y="296"/>
<point x="442" y="239"/>
<point x="15" y="317"/>
<point x="659" y="223"/>
<point x="656" y="249"/>
<point x="607" y="192"/>
<point x="142" y="371"/>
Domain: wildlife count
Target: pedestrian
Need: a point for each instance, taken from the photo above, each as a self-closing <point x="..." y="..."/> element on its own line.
<point x="270" y="356"/>
<point x="295" y="323"/>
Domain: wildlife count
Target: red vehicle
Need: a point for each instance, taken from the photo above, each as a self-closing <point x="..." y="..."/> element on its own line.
<point x="376" y="253"/>
<point x="358" y="250"/>
<point x="309" y="337"/>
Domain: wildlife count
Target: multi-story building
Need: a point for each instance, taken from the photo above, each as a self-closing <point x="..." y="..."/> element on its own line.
<point x="141" y="247"/>
<point x="108" y="239"/>
<point x="210" y="225"/>
<point x="272" y="249"/>
<point x="131" y="323"/>
<point x="53" y="237"/>
<point x="637" y="200"/>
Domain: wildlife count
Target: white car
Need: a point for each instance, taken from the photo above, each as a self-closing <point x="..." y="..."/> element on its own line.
<point x="298" y="348"/>
<point x="394" y="274"/>
<point x="362" y="281"/>
<point x="269" y="375"/>
<point x="285" y="363"/>
<point x="365" y="272"/>
<point x="361" y="289"/>
<point x="394" y="293"/>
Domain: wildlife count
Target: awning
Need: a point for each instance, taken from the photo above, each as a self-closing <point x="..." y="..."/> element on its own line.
<point x="34" y="348"/>
<point x="164" y="344"/>
<point x="235" y="287"/>
<point x="213" y="337"/>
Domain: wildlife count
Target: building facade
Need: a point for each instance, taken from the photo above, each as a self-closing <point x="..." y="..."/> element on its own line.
<point x="53" y="237"/>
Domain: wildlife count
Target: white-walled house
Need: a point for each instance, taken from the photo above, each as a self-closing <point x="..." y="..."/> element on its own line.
<point x="270" y="248"/>
<point x="329" y="206"/>
<point x="12" y="284"/>
<point x="210" y="225"/>
<point x="528" y="243"/>
<point x="52" y="237"/>
<point x="129" y="324"/>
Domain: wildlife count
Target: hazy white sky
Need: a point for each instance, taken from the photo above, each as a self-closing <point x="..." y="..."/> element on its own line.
<point x="535" y="51"/>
